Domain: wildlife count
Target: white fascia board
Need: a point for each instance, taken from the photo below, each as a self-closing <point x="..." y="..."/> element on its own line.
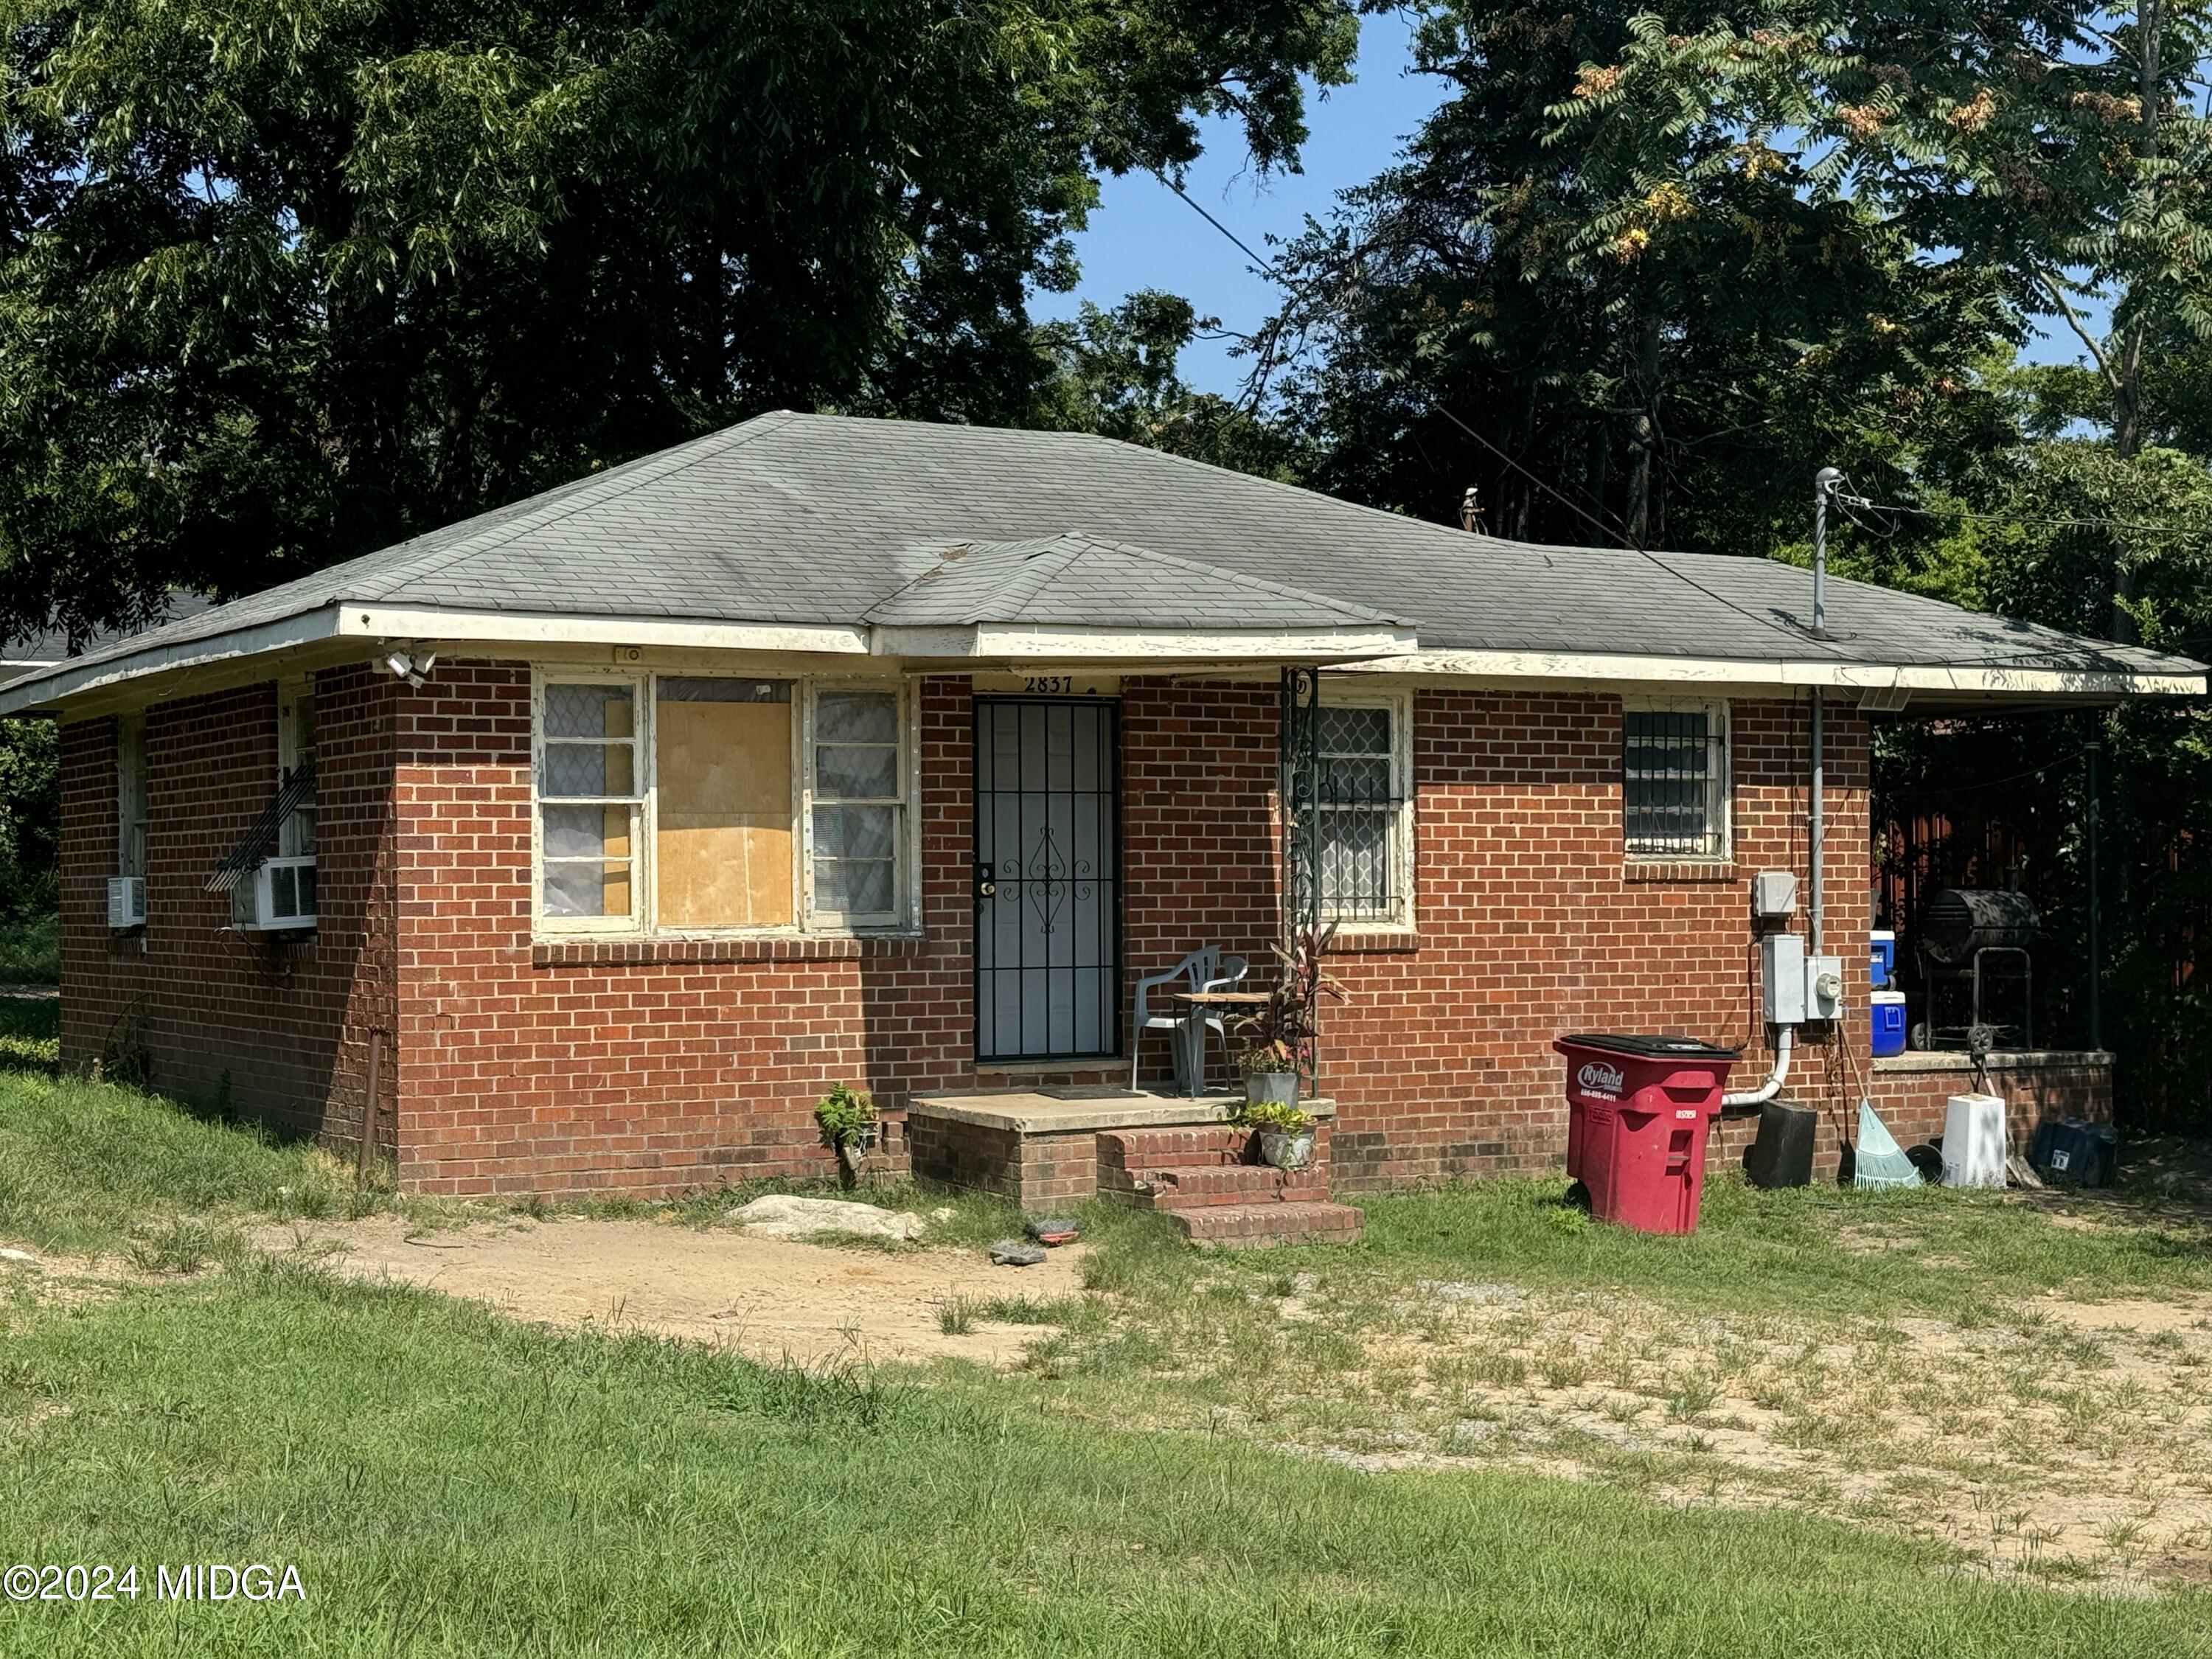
<point x="65" y="682"/>
<point x="387" y="621"/>
<point x="1018" y="642"/>
<point x="371" y="622"/>
<point x="1724" y="672"/>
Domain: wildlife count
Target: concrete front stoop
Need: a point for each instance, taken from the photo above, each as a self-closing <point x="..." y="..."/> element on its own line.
<point x="1048" y="1150"/>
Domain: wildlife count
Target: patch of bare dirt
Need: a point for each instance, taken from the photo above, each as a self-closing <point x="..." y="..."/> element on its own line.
<point x="771" y="1299"/>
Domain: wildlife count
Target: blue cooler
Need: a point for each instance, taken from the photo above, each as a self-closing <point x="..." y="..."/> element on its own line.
<point x="1888" y="1008"/>
<point x="1884" y="957"/>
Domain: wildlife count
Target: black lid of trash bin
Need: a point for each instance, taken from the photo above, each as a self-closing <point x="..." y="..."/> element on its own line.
<point x="1654" y="1048"/>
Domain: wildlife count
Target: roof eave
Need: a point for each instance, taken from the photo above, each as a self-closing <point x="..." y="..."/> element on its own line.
<point x="1036" y="642"/>
<point x="1919" y="683"/>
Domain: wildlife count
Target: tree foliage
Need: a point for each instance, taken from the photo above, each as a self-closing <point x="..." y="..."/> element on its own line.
<point x="284" y="280"/>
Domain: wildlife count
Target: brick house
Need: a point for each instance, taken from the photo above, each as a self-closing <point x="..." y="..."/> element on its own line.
<point x="609" y="828"/>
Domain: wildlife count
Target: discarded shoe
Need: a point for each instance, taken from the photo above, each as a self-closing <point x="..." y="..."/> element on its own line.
<point x="1055" y="1229"/>
<point x="1013" y="1253"/>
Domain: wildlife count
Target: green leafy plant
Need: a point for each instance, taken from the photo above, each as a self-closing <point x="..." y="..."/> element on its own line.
<point x="1281" y="1033"/>
<point x="1263" y="1059"/>
<point x="1278" y="1115"/>
<point x="847" y="1117"/>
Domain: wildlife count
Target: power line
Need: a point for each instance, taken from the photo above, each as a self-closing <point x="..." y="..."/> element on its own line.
<point x="1266" y="268"/>
<point x="2018" y="519"/>
<point x="1267" y="271"/>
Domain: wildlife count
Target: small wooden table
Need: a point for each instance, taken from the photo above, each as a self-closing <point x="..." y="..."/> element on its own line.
<point x="1194" y="1026"/>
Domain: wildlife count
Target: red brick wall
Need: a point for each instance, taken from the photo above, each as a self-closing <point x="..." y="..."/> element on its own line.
<point x="1532" y="922"/>
<point x="665" y="1065"/>
<point x="650" y="1066"/>
<point x="285" y="1022"/>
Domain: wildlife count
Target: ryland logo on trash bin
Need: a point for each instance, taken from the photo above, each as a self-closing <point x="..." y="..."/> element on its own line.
<point x="1596" y="1078"/>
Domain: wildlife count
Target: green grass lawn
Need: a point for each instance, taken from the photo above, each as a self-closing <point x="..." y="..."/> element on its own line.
<point x="31" y="952"/>
<point x="447" y="1482"/>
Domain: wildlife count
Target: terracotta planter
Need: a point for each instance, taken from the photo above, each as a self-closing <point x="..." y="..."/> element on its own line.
<point x="1281" y="1086"/>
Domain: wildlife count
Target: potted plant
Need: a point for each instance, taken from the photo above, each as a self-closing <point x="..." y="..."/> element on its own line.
<point x="1270" y="1070"/>
<point x="848" y="1118"/>
<point x="1286" y="1134"/>
<point x="1279" y="1048"/>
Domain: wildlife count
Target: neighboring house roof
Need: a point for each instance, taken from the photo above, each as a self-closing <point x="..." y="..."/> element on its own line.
<point x="827" y="527"/>
<point x="27" y="653"/>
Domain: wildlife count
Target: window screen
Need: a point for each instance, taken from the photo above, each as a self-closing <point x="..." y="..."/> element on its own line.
<point x="296" y="745"/>
<point x="131" y="795"/>
<point x="859" y="804"/>
<point x="1673" y="783"/>
<point x="722" y="750"/>
<point x="588" y="791"/>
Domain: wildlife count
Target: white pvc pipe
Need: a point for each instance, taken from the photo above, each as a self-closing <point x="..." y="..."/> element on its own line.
<point x="1772" y="1086"/>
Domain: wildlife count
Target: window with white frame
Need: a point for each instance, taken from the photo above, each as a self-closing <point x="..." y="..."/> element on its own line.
<point x="1366" y="812"/>
<point x="712" y="803"/>
<point x="295" y="753"/>
<point x="130" y="794"/>
<point x="1674" y="780"/>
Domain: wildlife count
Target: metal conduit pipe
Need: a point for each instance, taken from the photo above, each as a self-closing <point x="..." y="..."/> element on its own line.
<point x="1775" y="1078"/>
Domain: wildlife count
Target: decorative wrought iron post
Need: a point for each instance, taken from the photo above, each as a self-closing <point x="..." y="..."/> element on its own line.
<point x="1299" y="793"/>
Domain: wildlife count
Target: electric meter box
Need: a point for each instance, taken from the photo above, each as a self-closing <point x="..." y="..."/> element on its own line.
<point x="1782" y="978"/>
<point x="1824" y="988"/>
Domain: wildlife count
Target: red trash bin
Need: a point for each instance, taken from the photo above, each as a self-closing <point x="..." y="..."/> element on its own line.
<point x="1638" y="1111"/>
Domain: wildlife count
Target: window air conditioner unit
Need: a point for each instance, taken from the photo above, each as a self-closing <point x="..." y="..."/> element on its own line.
<point x="278" y="895"/>
<point x="126" y="902"/>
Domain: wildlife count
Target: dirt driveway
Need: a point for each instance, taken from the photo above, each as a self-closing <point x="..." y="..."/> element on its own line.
<point x="771" y="1299"/>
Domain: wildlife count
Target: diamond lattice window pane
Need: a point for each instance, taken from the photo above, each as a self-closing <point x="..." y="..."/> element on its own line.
<point x="1355" y="731"/>
<point x="856" y="717"/>
<point x="853" y="887"/>
<point x="856" y="773"/>
<point x="855" y="832"/>
<point x="589" y="768"/>
<point x="588" y="711"/>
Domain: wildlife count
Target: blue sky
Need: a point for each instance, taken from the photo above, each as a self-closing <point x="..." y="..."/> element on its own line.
<point x="1143" y="236"/>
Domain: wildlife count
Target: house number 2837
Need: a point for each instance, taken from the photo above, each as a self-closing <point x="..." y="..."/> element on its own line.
<point x="1061" y="684"/>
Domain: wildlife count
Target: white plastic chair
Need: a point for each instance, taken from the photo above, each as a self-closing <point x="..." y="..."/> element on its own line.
<point x="1203" y="970"/>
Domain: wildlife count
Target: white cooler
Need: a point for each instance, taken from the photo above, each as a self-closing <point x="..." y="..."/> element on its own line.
<point x="1974" y="1141"/>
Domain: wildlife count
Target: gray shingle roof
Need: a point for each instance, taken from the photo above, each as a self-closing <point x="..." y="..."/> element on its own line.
<point x="827" y="519"/>
<point x="1079" y="579"/>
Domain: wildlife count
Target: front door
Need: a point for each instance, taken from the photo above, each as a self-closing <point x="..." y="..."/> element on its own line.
<point x="1048" y="879"/>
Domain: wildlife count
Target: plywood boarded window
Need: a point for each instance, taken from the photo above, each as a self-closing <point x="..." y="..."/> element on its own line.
<point x="722" y="759"/>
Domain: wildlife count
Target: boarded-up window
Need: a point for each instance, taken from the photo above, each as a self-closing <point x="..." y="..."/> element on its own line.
<point x="722" y="760"/>
<point x="588" y="788"/>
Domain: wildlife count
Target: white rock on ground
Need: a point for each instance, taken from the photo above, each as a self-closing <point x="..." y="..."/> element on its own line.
<point x="13" y="1255"/>
<point x="782" y="1215"/>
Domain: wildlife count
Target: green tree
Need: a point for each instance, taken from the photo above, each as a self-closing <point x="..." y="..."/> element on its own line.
<point x="1115" y="373"/>
<point x="2058" y="145"/>
<point x="284" y="279"/>
<point x="1663" y="329"/>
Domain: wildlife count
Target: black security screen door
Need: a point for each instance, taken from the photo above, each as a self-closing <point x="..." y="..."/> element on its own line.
<point x="1047" y="879"/>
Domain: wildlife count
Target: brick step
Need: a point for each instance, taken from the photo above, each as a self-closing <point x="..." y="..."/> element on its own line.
<point x="1131" y="1151"/>
<point x="1196" y="1185"/>
<point x="1255" y="1226"/>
